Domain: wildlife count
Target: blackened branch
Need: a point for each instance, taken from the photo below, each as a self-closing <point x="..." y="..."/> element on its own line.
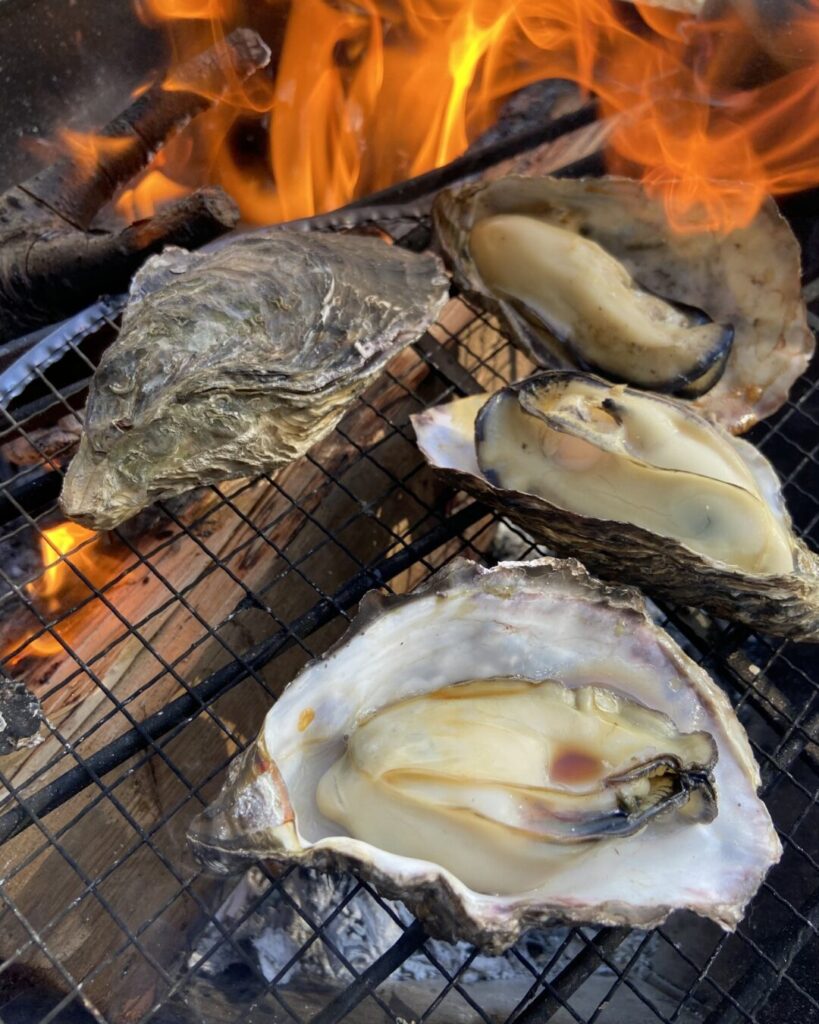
<point x="50" y="264"/>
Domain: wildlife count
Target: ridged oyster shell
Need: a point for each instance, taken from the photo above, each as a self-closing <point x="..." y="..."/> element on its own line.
<point x="237" y="361"/>
<point x="749" y="278"/>
<point x="546" y="619"/>
<point x="780" y="603"/>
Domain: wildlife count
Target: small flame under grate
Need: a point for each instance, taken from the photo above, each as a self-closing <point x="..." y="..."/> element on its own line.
<point x="155" y="654"/>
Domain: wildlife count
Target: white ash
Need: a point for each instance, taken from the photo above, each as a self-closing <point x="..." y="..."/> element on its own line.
<point x="513" y="544"/>
<point x="20" y="716"/>
<point x="282" y="947"/>
<point x="278" y="938"/>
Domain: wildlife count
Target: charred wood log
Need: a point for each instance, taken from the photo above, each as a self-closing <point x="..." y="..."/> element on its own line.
<point x="61" y="271"/>
<point x="50" y="264"/>
<point x="44" y="443"/>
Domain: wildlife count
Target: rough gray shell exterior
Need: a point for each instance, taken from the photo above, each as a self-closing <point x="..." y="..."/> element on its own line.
<point x="749" y="278"/>
<point x="786" y="606"/>
<point x="237" y="361"/>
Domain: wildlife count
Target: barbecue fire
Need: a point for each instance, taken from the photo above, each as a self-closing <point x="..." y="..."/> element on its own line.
<point x="56" y="544"/>
<point x="69" y="552"/>
<point x="715" y="114"/>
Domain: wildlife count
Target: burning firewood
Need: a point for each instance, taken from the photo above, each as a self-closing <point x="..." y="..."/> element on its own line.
<point x="51" y="263"/>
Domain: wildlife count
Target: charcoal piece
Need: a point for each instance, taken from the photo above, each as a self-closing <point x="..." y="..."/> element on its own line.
<point x="20" y="716"/>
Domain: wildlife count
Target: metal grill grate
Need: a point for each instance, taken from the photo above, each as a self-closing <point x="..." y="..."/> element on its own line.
<point x="251" y="580"/>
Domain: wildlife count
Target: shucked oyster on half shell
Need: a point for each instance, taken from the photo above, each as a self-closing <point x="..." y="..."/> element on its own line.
<point x="641" y="487"/>
<point x="500" y="748"/>
<point x="237" y="361"/>
<point x="589" y="274"/>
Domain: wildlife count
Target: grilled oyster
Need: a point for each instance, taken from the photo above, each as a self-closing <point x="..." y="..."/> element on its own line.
<point x="575" y="268"/>
<point x="587" y="765"/>
<point x="502" y="747"/>
<point x="587" y="300"/>
<point x="238" y="361"/>
<point x="640" y="486"/>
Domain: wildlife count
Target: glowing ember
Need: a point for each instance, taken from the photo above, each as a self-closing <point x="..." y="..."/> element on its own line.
<point x="370" y="92"/>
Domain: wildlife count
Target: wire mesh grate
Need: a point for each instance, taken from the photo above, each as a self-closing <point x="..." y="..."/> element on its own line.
<point x="155" y="653"/>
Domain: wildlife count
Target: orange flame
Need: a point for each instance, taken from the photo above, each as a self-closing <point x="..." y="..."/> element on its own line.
<point x="164" y="10"/>
<point x="372" y="91"/>
<point x="65" y="548"/>
<point x="85" y="148"/>
<point x="57" y="576"/>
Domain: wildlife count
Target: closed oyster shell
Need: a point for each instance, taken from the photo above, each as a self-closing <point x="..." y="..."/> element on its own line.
<point x="237" y="361"/>
<point x="749" y="278"/>
<point x="546" y="619"/>
<point x="780" y="604"/>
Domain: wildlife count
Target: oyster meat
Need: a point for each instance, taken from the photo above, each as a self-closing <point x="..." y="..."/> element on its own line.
<point x="641" y="487"/>
<point x="586" y="765"/>
<point x="500" y="748"/>
<point x="237" y="361"/>
<point x="589" y="302"/>
<point x="576" y="269"/>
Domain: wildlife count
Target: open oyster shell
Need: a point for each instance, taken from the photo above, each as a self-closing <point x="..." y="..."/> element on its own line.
<point x="774" y="587"/>
<point x="541" y="620"/>
<point x="238" y="361"/>
<point x="748" y="279"/>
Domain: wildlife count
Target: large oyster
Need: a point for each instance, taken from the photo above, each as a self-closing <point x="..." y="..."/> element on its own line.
<point x="641" y="487"/>
<point x="238" y="361"/>
<point x="503" y="747"/>
<point x="521" y="246"/>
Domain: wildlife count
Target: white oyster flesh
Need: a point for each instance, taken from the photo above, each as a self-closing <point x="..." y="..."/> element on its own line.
<point x="498" y="779"/>
<point x="603" y="451"/>
<point x="540" y="621"/>
<point x="644" y="489"/>
<point x="732" y="279"/>
<point x="589" y="301"/>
